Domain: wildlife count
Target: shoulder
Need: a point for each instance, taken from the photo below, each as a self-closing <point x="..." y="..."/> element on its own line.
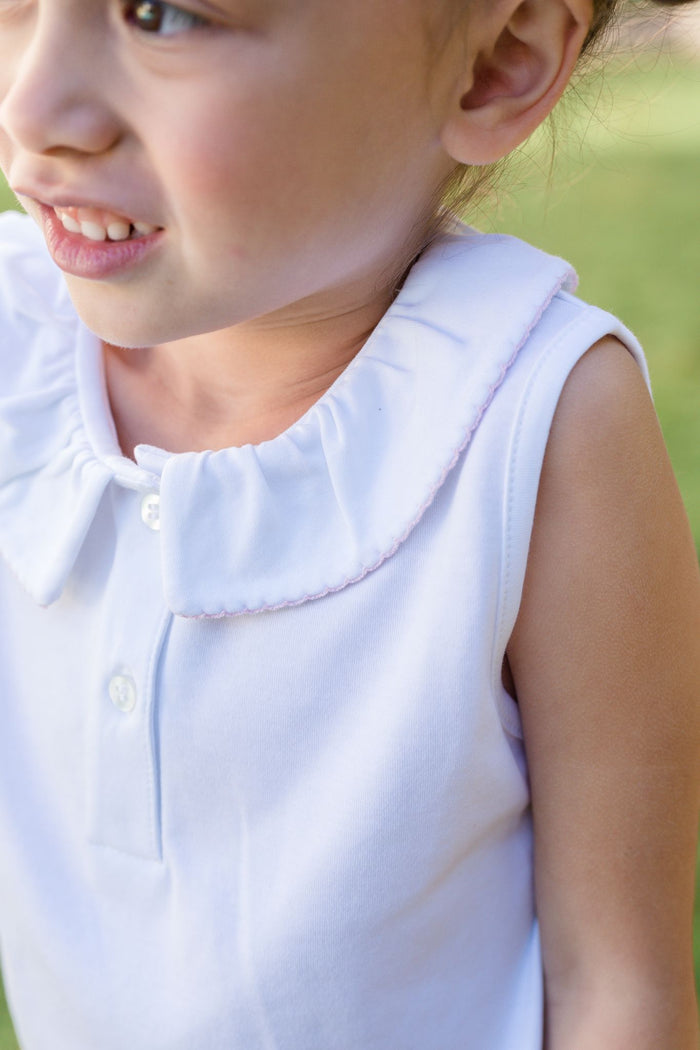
<point x="605" y="455"/>
<point x="605" y="396"/>
<point x="611" y="601"/>
<point x="608" y="512"/>
<point x="31" y="286"/>
<point x="606" y="463"/>
<point x="38" y="324"/>
<point x="39" y="331"/>
<point x="19" y="239"/>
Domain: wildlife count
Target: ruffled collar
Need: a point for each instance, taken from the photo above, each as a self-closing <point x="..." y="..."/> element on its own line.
<point x="295" y="518"/>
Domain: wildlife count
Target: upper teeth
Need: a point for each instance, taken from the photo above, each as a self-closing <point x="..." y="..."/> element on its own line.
<point x="99" y="225"/>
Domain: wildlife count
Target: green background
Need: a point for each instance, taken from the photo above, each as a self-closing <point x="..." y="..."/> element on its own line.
<point x="622" y="203"/>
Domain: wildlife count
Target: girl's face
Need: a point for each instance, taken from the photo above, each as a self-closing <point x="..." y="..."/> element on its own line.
<point x="284" y="150"/>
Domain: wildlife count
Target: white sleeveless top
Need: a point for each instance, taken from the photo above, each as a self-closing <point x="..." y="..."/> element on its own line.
<point x="260" y="785"/>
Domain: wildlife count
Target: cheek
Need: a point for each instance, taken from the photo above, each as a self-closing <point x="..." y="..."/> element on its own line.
<point x="223" y="155"/>
<point x="246" y="177"/>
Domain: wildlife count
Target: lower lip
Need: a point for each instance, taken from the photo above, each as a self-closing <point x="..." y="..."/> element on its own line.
<point x="94" y="260"/>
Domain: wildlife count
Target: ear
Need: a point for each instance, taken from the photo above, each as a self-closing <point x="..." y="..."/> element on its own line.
<point x="521" y="56"/>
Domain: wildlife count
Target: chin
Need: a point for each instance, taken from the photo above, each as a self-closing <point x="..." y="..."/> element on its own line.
<point x="130" y="336"/>
<point x="127" y="321"/>
<point x="122" y="324"/>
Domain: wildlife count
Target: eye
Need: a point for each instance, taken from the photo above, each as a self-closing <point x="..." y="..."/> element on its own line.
<point x="160" y="18"/>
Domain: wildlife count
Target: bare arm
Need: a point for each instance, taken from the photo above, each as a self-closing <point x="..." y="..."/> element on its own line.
<point x="605" y="658"/>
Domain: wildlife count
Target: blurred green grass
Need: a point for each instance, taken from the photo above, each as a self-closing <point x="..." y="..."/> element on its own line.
<point x="7" y="199"/>
<point x="7" y="1035"/>
<point x="622" y="204"/>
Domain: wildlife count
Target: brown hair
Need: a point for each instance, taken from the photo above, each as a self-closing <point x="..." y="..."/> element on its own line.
<point x="605" y="11"/>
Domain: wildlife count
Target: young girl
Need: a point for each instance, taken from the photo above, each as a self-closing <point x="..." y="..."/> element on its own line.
<point x="350" y="618"/>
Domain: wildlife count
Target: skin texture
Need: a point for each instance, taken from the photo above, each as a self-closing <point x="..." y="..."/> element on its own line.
<point x="246" y="152"/>
<point x="291" y="151"/>
<point x="606" y="661"/>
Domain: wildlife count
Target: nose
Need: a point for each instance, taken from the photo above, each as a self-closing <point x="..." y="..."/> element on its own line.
<point x="56" y="97"/>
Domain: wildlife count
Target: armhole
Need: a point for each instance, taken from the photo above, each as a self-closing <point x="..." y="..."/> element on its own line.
<point x="552" y="357"/>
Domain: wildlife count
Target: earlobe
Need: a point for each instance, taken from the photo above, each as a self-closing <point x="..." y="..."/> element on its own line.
<point x="522" y="64"/>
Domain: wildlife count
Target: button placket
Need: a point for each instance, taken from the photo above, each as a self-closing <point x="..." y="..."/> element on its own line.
<point x="124" y="791"/>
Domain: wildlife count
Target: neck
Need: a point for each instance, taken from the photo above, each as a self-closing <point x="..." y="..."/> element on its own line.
<point x="242" y="385"/>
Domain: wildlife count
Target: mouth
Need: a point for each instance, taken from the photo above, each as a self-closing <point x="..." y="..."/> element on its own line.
<point x="94" y="243"/>
<point x="97" y="225"/>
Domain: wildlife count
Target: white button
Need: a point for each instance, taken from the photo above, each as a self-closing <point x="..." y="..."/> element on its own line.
<point x="122" y="692"/>
<point x="150" y="510"/>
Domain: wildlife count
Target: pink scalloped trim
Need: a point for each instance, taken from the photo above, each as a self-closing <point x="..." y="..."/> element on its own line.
<point x="505" y="368"/>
